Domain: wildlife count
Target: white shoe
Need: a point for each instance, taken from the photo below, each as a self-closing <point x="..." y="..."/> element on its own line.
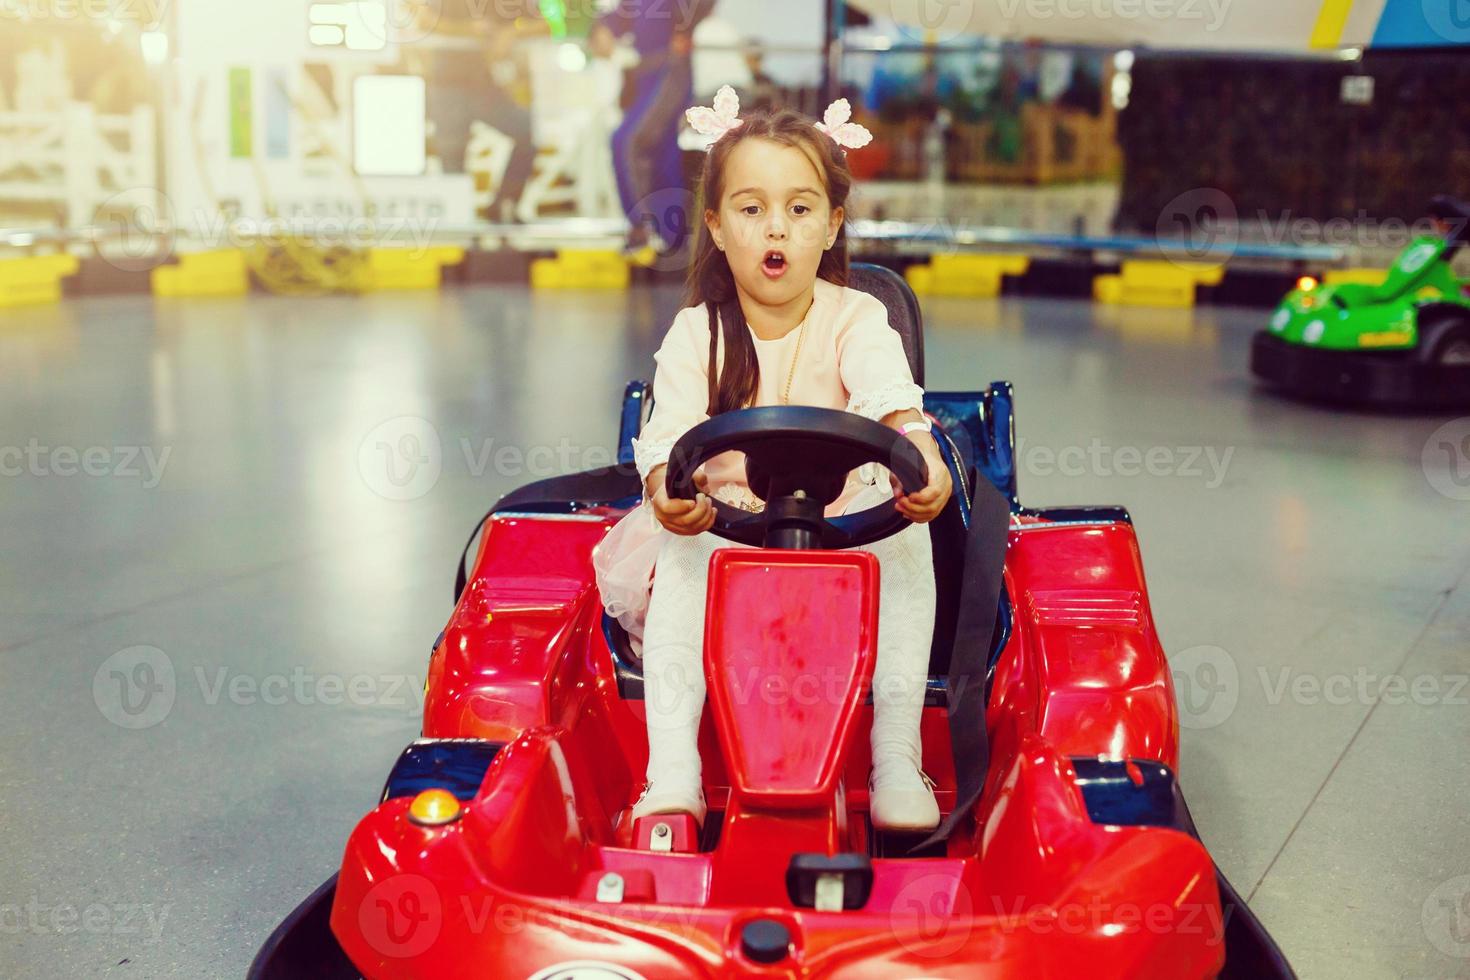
<point x="901" y="797"/>
<point x="674" y="799"/>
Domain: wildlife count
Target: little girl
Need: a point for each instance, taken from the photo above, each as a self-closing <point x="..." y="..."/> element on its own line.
<point x="770" y="321"/>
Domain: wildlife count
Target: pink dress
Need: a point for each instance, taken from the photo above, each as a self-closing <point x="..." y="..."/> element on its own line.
<point x="849" y="359"/>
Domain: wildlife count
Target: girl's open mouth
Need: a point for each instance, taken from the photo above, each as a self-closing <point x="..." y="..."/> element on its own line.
<point x="774" y="264"/>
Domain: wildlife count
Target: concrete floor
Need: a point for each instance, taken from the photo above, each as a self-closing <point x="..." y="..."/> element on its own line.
<point x="212" y="656"/>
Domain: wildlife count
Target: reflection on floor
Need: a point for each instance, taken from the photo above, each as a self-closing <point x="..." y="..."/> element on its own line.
<point x="253" y="495"/>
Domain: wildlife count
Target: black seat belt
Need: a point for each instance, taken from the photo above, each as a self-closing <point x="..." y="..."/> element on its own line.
<point x="979" y="607"/>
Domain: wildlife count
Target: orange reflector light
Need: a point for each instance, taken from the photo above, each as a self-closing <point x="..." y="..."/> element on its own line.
<point x="434" y="808"/>
<point x="1306" y="284"/>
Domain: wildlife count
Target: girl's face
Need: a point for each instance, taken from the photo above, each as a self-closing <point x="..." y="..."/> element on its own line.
<point x="774" y="220"/>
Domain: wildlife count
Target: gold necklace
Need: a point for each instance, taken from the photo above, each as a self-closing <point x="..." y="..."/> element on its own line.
<point x="791" y="371"/>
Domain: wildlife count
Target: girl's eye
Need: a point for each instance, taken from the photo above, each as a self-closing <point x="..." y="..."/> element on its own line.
<point x="802" y="209"/>
<point x="750" y="209"/>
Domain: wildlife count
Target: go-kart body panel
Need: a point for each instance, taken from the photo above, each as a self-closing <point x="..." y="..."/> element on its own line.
<point x="510" y="888"/>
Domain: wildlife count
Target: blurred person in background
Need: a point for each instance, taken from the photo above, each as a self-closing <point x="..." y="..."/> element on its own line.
<point x="468" y="86"/>
<point x="646" y="146"/>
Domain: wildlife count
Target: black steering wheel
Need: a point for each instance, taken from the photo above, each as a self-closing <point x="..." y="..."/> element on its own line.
<point x="796" y="460"/>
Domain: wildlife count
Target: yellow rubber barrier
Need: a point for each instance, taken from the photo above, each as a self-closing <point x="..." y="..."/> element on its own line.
<point x="218" y="273"/>
<point x="1151" y="282"/>
<point x="581" y="269"/>
<point x="1362" y="277"/>
<point x="407" y="268"/>
<point x="973" y="276"/>
<point x="31" y="279"/>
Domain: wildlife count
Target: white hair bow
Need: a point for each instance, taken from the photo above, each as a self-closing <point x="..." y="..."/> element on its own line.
<point x="716" y="122"/>
<point x="835" y="124"/>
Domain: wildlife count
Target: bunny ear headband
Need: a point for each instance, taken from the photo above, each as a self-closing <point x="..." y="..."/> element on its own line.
<point x="723" y="117"/>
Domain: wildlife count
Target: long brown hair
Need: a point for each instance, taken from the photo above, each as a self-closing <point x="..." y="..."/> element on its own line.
<point x="711" y="281"/>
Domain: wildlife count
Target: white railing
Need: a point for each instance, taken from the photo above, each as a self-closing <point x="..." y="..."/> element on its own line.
<point x="79" y="161"/>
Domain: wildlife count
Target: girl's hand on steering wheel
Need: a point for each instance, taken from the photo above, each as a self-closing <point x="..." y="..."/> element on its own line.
<point x="922" y="506"/>
<point x="687" y="517"/>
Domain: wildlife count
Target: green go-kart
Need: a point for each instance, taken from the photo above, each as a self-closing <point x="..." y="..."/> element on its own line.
<point x="1403" y="343"/>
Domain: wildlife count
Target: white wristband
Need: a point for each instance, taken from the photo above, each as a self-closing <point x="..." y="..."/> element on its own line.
<point x="908" y="427"/>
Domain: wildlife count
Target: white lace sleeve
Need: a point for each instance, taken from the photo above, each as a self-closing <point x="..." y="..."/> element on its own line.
<point x="648" y="453"/>
<point x="875" y="403"/>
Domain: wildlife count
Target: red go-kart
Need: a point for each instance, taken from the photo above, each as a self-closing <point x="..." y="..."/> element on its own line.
<point x="503" y="845"/>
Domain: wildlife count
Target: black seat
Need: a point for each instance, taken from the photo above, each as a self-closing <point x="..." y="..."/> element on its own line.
<point x="947" y="531"/>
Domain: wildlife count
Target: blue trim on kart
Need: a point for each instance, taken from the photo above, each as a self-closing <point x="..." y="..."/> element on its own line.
<point x="637" y="398"/>
<point x="982" y="425"/>
<point x="455" y="764"/>
<point x="1113" y="796"/>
